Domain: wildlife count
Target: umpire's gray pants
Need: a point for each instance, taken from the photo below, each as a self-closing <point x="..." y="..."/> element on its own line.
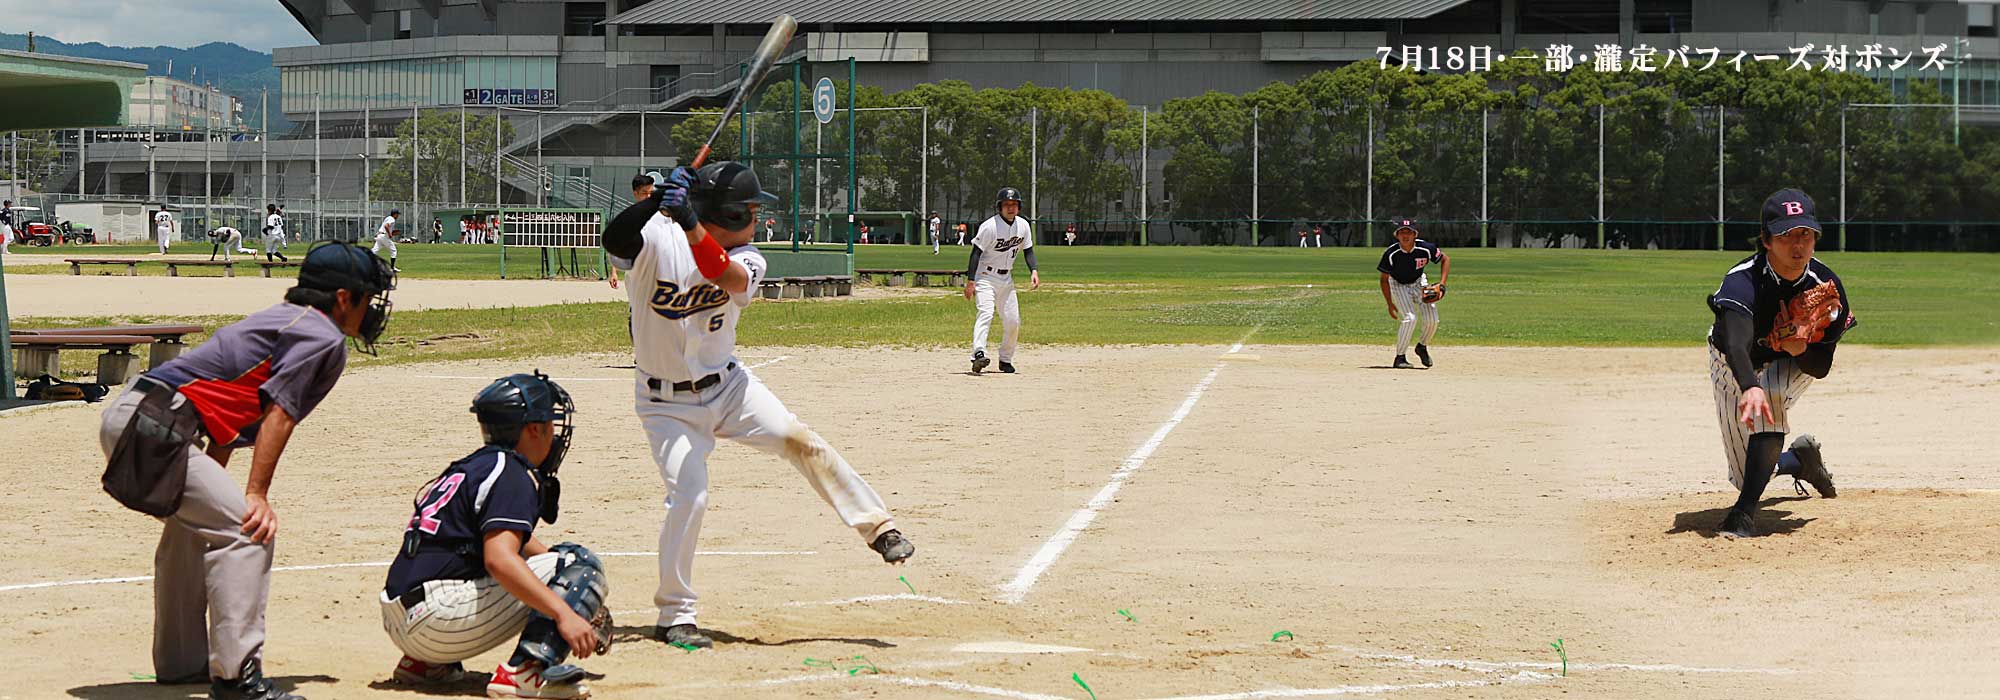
<point x="210" y="582"/>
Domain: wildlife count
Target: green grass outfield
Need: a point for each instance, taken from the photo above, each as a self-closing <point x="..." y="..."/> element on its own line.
<point x="1130" y="295"/>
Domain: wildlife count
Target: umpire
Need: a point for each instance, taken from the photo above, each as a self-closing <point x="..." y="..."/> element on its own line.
<point x="249" y="385"/>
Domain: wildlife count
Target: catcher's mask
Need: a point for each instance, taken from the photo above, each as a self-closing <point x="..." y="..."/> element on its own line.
<point x="516" y="400"/>
<point x="331" y="266"/>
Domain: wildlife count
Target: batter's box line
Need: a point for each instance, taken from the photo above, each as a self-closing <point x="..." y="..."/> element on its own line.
<point x="996" y="692"/>
<point x="627" y="378"/>
<point x="373" y="564"/>
<point x="1502" y="666"/>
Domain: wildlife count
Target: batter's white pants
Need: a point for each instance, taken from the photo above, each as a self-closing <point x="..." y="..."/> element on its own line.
<point x="1410" y="305"/>
<point x="6" y="238"/>
<point x="461" y="619"/>
<point x="383" y="240"/>
<point x="1783" y="382"/>
<point x="991" y="291"/>
<point x="682" y="428"/>
<point x="166" y="236"/>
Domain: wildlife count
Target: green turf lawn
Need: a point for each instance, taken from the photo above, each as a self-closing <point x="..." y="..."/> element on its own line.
<point x="1124" y="295"/>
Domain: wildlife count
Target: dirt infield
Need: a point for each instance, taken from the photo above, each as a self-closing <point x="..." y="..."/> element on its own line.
<point x="1419" y="534"/>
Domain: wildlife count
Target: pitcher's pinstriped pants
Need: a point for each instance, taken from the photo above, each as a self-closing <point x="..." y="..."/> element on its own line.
<point x="1783" y="382"/>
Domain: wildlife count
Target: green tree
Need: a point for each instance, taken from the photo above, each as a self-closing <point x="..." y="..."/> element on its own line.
<point x="434" y="138"/>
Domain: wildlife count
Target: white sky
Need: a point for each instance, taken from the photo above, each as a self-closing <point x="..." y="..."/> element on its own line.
<point x="254" y="24"/>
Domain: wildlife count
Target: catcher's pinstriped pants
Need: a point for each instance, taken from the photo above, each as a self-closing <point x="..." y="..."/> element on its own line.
<point x="461" y="619"/>
<point x="1783" y="382"/>
<point x="1410" y="305"/>
<point x="210" y="582"/>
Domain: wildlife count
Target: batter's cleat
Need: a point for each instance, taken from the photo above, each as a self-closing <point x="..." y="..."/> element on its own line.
<point x="250" y="685"/>
<point x="1403" y="363"/>
<point x="979" y="361"/>
<point x="1007" y="367"/>
<point x="683" y="635"/>
<point x="1812" y="469"/>
<point x="1738" y="524"/>
<point x="413" y="672"/>
<point x="891" y="545"/>
<point x="1424" y="354"/>
<point x="532" y="681"/>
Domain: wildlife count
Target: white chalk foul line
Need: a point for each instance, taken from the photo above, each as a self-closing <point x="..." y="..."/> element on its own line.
<point x="1377" y="689"/>
<point x="369" y="565"/>
<point x="967" y="688"/>
<point x="880" y="598"/>
<point x="1016" y="590"/>
<point x="1500" y="666"/>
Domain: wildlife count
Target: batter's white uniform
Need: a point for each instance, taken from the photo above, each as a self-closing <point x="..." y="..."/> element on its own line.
<point x="274" y="234"/>
<point x="993" y="281"/>
<point x="684" y="330"/>
<point x="385" y="236"/>
<point x="163" y="228"/>
<point x="461" y="619"/>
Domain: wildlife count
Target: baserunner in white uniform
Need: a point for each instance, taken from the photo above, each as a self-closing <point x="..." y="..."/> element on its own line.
<point x="989" y="278"/>
<point x="163" y="229"/>
<point x="385" y="237"/>
<point x="274" y="234"/>
<point x="687" y="288"/>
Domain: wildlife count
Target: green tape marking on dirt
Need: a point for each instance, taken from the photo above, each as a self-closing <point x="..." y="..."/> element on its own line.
<point x="866" y="665"/>
<point x="144" y="677"/>
<point x="1128" y="616"/>
<point x="1086" y="686"/>
<point x="810" y="662"/>
<point x="686" y="646"/>
<point x="1558" y="646"/>
<point x="1283" y="634"/>
<point x="906" y="584"/>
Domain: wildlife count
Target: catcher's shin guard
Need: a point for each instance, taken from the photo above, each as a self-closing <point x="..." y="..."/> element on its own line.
<point x="580" y="581"/>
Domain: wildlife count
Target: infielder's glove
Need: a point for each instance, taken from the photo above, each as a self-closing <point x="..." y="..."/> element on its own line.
<point x="1806" y="316"/>
<point x="1433" y="293"/>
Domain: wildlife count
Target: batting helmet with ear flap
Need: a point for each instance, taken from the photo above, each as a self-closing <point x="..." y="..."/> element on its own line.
<point x="1007" y="194"/>
<point x="723" y="193"/>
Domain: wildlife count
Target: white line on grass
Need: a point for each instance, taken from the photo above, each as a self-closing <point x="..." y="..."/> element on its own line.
<point x="368" y="565"/>
<point x="1016" y="590"/>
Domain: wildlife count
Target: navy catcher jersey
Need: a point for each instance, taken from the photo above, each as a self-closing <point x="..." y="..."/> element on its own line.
<point x="491" y="489"/>
<point x="1753" y="289"/>
<point x="1407" y="268"/>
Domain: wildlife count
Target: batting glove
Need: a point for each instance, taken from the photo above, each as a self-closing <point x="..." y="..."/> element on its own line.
<point x="673" y="196"/>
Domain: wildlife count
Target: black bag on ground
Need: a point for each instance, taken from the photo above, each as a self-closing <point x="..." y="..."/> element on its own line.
<point x="148" y="469"/>
<point x="48" y="388"/>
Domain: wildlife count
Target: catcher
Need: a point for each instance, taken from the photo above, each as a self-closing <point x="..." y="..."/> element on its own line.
<point x="1409" y="292"/>
<point x="471" y="575"/>
<point x="1778" y="316"/>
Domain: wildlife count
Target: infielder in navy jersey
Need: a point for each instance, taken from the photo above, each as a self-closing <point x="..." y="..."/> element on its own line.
<point x="471" y="574"/>
<point x="1755" y="380"/>
<point x="1404" y="288"/>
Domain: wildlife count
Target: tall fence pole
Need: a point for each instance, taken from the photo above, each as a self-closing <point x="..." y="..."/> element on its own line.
<point x="82" y="162"/>
<point x="153" y="141"/>
<point x="1843" y="177"/>
<point x="461" y="155"/>
<point x="1721" y="129"/>
<point x="207" y="179"/>
<point x="1368" y="182"/>
<point x="367" y="174"/>
<point x="1034" y="162"/>
<point x="319" y="211"/>
<point x="1145" y="177"/>
<point x="1484" y="222"/>
<point x="1601" y="177"/>
<point x="642" y="140"/>
<point x="264" y="147"/>
<point x="1256" y="149"/>
<point x="923" y="168"/>
<point x="542" y="172"/>
<point x="497" y="151"/>
<point x="416" y="120"/>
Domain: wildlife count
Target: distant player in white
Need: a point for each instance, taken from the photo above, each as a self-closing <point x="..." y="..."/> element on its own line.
<point x="226" y="240"/>
<point x="1403" y="281"/>
<point x="990" y="278"/>
<point x="937" y="232"/>
<point x="385" y="236"/>
<point x="687" y="289"/>
<point x="274" y="233"/>
<point x="6" y="225"/>
<point x="163" y="229"/>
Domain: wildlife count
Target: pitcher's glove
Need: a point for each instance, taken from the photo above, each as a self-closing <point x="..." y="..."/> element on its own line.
<point x="1805" y="317"/>
<point x="1433" y="293"/>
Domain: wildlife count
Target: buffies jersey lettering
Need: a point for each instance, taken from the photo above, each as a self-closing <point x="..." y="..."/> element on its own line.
<point x="1752" y="287"/>
<point x="1408" y="267"/>
<point x="683" y="325"/>
<point x="489" y="490"/>
<point x="998" y="242"/>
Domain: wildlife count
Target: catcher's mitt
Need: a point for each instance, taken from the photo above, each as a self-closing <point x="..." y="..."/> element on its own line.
<point x="1805" y="317"/>
<point x="1433" y="293"/>
<point x="601" y="624"/>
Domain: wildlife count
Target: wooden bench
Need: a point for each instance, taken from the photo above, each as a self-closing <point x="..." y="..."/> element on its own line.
<point x="266" y="266"/>
<point x="37" y="354"/>
<point x="805" y="287"/>
<point x="76" y="265"/>
<point x="893" y="276"/>
<point x="228" y="266"/>
<point x="167" y="343"/>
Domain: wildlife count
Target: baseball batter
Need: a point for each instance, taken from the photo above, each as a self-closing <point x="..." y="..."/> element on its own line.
<point x="274" y="233"/>
<point x="163" y="229"/>
<point x="385" y="236"/>
<point x="1407" y="289"/>
<point x="249" y="385"/>
<point x="688" y="284"/>
<point x="989" y="277"/>
<point x="471" y="575"/>
<point x="1778" y="316"/>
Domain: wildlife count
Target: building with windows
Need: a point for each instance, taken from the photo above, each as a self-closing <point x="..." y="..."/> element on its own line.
<point x="166" y="102"/>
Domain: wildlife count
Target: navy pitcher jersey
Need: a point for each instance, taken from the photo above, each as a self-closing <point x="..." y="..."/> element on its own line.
<point x="1407" y="268"/>
<point x="1752" y="288"/>
<point x="491" y="489"/>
